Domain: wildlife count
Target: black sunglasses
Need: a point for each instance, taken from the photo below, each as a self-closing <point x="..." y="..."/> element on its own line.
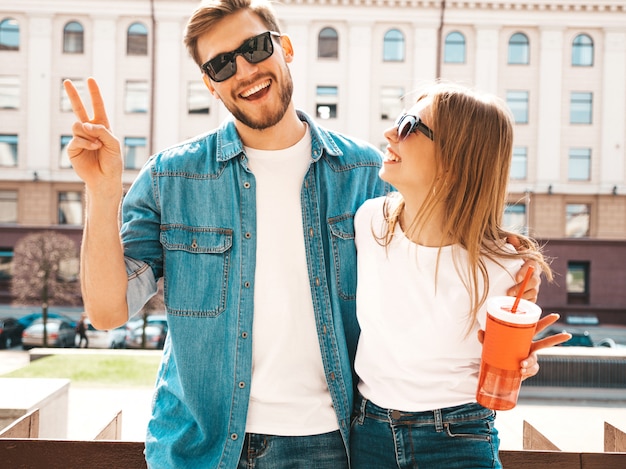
<point x="254" y="50"/>
<point x="407" y="124"/>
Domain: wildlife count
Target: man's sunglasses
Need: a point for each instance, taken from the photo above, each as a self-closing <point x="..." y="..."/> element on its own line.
<point x="407" y="124"/>
<point x="254" y="50"/>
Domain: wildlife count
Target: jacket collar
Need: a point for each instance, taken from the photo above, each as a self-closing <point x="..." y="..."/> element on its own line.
<point x="229" y="144"/>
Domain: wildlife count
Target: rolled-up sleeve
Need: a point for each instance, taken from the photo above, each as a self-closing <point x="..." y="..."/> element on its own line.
<point x="140" y="232"/>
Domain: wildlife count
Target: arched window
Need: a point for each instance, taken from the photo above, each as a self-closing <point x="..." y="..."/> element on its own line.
<point x="328" y="44"/>
<point x="582" y="51"/>
<point x="393" y="46"/>
<point x="137" y="39"/>
<point x="73" y="38"/>
<point x="519" y="49"/>
<point x="9" y="34"/>
<point x="454" y="48"/>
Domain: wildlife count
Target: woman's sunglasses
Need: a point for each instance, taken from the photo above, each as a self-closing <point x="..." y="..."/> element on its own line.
<point x="254" y="50"/>
<point x="407" y="124"/>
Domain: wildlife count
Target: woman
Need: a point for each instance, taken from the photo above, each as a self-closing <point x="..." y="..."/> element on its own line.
<point x="428" y="257"/>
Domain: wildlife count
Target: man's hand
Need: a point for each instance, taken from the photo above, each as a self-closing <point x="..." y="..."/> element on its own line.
<point x="94" y="151"/>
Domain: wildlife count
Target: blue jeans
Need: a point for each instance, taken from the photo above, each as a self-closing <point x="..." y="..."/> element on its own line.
<point x="325" y="451"/>
<point x="450" y="438"/>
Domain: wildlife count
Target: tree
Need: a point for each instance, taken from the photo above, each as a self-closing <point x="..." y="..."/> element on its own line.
<point x="45" y="271"/>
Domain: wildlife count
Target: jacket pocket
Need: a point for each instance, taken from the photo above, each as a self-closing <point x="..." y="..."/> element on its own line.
<point x="344" y="254"/>
<point x="196" y="269"/>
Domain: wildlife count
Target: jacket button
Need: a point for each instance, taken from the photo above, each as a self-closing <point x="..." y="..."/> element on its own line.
<point x="233" y="436"/>
<point x="248" y="235"/>
<point x="246" y="185"/>
<point x="242" y="385"/>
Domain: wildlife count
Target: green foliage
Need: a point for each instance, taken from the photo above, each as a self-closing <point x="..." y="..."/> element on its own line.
<point x="103" y="369"/>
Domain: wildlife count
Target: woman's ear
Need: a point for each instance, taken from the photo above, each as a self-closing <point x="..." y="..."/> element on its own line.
<point x="287" y="47"/>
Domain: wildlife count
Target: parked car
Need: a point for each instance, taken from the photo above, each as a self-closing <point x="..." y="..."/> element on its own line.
<point x="32" y="317"/>
<point x="10" y="332"/>
<point x="580" y="338"/>
<point x="156" y="332"/>
<point x="114" y="338"/>
<point x="61" y="333"/>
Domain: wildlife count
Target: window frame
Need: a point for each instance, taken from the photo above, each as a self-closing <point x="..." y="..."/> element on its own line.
<point x="394" y="46"/>
<point x="581" y="107"/>
<point x="579" y="158"/>
<point x="518" y="48"/>
<point x="137" y="39"/>
<point x="73" y="39"/>
<point x="518" y="112"/>
<point x="450" y="48"/>
<point x="9" y="29"/>
<point x="578" y="296"/>
<point x="571" y="214"/>
<point x="581" y="49"/>
<point x="328" y="45"/>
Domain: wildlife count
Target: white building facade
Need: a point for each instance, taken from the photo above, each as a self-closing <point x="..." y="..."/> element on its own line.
<point x="559" y="64"/>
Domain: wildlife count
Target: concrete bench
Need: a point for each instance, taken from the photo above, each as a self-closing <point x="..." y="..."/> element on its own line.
<point x="20" y="396"/>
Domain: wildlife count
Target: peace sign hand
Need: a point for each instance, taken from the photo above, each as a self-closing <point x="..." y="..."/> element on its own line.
<point x="94" y="151"/>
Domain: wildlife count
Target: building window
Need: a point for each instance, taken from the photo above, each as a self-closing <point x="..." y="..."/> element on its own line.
<point x="514" y="218"/>
<point x="519" y="51"/>
<point x="579" y="164"/>
<point x="326" y="105"/>
<point x="582" y="51"/>
<point x="391" y="102"/>
<point x="9" y="34"/>
<point x="137" y="39"/>
<point x="198" y="98"/>
<point x="518" y="103"/>
<point x="581" y="104"/>
<point x="519" y="163"/>
<point x="135" y="152"/>
<point x="393" y="46"/>
<point x="136" y="97"/>
<point x="577" y="220"/>
<point x="73" y="38"/>
<point x="454" y="48"/>
<point x="70" y="208"/>
<point x="81" y="88"/>
<point x="64" y="159"/>
<point x="8" y="150"/>
<point x="8" y="206"/>
<point x="328" y="44"/>
<point x="9" y="92"/>
<point x="6" y="264"/>
<point x="577" y="282"/>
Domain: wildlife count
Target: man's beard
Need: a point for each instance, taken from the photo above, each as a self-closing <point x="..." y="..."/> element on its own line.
<point x="269" y="119"/>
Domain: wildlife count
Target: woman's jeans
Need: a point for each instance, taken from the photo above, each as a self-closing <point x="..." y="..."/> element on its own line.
<point x="450" y="438"/>
<point x="325" y="451"/>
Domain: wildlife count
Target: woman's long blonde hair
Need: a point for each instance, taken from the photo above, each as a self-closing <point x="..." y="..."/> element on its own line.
<point x="473" y="136"/>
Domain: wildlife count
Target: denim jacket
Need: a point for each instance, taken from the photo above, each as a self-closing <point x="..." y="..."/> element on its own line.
<point x="190" y="217"/>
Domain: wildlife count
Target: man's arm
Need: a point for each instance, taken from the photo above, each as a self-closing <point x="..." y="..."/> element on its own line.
<point x="96" y="157"/>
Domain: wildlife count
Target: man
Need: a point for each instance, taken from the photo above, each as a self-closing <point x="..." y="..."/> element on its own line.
<point x="251" y="220"/>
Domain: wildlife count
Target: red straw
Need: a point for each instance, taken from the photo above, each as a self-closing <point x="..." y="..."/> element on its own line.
<point x="522" y="289"/>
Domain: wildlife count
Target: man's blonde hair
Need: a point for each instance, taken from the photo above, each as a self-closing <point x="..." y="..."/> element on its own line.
<point x="211" y="12"/>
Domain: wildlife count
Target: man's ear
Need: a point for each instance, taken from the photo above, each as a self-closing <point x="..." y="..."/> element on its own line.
<point x="287" y="47"/>
<point x="209" y="85"/>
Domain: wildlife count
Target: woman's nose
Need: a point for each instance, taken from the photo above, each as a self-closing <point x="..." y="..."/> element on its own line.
<point x="391" y="134"/>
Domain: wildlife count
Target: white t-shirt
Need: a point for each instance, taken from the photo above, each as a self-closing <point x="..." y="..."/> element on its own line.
<point x="289" y="395"/>
<point x="415" y="352"/>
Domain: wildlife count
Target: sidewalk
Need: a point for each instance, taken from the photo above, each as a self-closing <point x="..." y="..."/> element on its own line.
<point x="573" y="419"/>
